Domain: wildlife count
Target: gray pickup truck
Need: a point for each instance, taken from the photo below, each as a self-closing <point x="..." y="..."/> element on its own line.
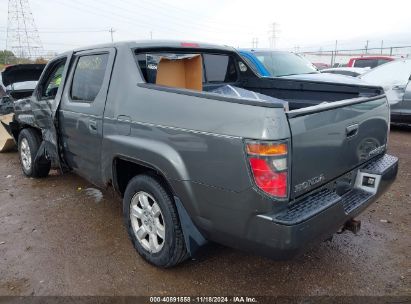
<point x="193" y="165"/>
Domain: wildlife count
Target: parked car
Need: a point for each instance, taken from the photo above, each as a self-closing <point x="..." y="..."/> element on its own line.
<point x="269" y="63"/>
<point x="394" y="77"/>
<point x="17" y="81"/>
<point x="368" y="61"/>
<point x="193" y="163"/>
<point x="353" y="72"/>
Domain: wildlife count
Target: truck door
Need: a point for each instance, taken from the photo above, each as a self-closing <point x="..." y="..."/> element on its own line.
<point x="82" y="109"/>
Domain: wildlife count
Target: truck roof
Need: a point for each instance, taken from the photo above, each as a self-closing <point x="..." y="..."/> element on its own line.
<point x="183" y="44"/>
<point x="261" y="50"/>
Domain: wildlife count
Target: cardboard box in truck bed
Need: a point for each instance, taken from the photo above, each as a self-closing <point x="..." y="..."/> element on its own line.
<point x="183" y="72"/>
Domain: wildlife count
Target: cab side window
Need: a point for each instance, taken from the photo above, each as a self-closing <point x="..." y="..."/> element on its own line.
<point x="53" y="81"/>
<point x="88" y="77"/>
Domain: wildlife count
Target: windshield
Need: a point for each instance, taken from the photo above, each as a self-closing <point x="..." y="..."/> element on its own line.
<point x="393" y="73"/>
<point x="284" y="63"/>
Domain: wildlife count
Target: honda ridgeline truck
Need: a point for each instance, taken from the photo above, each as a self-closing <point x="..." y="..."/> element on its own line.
<point x="194" y="166"/>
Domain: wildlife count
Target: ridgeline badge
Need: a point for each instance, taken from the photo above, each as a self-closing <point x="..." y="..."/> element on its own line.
<point x="309" y="183"/>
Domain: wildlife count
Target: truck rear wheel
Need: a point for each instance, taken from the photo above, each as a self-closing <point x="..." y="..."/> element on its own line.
<point x="152" y="222"/>
<point x="28" y="144"/>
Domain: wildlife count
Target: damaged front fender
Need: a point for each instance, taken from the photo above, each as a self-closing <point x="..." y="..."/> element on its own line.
<point x="42" y="114"/>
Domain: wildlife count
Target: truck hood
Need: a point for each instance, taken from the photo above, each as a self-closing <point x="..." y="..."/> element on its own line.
<point x="327" y="77"/>
<point x="21" y="72"/>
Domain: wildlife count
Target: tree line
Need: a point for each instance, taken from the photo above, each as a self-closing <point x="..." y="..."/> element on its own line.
<point x="8" y="57"/>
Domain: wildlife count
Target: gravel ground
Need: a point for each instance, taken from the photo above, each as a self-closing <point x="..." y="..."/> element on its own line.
<point x="58" y="238"/>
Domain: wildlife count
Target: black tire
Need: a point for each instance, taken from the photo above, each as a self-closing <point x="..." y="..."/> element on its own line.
<point x="174" y="250"/>
<point x="39" y="167"/>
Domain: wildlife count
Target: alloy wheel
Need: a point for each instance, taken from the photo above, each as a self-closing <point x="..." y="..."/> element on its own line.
<point x="147" y="222"/>
<point x="25" y="154"/>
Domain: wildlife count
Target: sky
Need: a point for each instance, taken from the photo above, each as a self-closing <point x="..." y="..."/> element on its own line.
<point x="306" y="25"/>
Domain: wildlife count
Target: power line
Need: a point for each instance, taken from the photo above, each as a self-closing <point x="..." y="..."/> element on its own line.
<point x="59" y="32"/>
<point x="138" y="18"/>
<point x="173" y="24"/>
<point x="98" y="11"/>
<point x="183" y="17"/>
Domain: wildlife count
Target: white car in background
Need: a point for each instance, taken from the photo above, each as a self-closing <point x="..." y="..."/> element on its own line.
<point x="395" y="78"/>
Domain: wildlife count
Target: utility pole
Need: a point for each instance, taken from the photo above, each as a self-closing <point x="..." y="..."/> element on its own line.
<point x="112" y="31"/>
<point x="366" y="47"/>
<point x="151" y="35"/>
<point x="334" y="56"/>
<point x="273" y="34"/>
<point x="254" y="43"/>
<point x="382" y="44"/>
<point x="22" y="35"/>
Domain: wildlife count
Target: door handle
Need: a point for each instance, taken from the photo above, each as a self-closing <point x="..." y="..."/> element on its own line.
<point x="92" y="125"/>
<point x="351" y="131"/>
<point x="123" y="118"/>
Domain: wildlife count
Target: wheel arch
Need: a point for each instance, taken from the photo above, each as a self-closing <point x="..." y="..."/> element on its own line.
<point x="36" y="130"/>
<point x="124" y="169"/>
<point x="19" y="124"/>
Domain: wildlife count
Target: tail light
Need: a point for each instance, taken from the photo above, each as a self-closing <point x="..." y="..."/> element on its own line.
<point x="269" y="166"/>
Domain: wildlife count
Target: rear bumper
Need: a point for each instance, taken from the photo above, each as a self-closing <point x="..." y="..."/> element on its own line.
<point x="317" y="216"/>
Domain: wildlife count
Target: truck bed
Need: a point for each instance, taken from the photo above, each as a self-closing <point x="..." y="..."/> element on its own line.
<point x="306" y="93"/>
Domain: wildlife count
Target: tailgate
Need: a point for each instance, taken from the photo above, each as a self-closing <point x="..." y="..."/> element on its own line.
<point x="331" y="139"/>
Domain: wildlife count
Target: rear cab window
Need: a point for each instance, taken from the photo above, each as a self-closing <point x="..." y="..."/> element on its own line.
<point x="216" y="68"/>
<point x="213" y="75"/>
<point x="219" y="68"/>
